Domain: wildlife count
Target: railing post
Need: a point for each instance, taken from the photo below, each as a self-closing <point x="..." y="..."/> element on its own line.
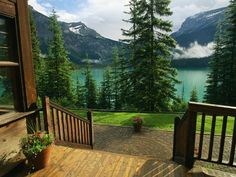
<point x="189" y="158"/>
<point x="46" y="114"/>
<point x="176" y="123"/>
<point x="91" y="131"/>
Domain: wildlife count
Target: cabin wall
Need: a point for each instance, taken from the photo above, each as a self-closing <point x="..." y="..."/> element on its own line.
<point x="11" y="133"/>
<point x="10" y="137"/>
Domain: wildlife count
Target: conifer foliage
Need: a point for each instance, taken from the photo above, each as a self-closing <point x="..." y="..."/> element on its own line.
<point x="90" y="88"/>
<point x="152" y="78"/>
<point x="221" y="84"/>
<point x="39" y="63"/>
<point x="58" y="71"/>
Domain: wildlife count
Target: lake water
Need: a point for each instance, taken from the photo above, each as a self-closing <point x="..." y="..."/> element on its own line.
<point x="189" y="78"/>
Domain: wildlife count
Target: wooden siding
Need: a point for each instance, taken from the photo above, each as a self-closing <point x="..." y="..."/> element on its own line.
<point x="9" y="143"/>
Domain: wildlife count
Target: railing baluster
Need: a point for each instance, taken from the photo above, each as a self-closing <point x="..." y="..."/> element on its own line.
<point x="58" y="125"/>
<point x="82" y="129"/>
<point x="232" y="151"/>
<point x="53" y="121"/>
<point x="213" y="123"/>
<point x="71" y="129"/>
<point x="222" y="139"/>
<point x="68" y="127"/>
<point x="63" y="126"/>
<point x="75" y="130"/>
<point x="79" y="125"/>
<point x="85" y="133"/>
<point x="201" y="136"/>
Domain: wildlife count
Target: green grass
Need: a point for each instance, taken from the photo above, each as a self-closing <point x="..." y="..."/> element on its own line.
<point x="162" y="121"/>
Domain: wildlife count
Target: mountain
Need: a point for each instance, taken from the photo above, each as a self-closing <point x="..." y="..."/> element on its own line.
<point x="200" y="28"/>
<point x="81" y="42"/>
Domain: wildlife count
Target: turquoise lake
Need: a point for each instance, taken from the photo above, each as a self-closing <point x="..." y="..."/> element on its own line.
<point x="189" y="78"/>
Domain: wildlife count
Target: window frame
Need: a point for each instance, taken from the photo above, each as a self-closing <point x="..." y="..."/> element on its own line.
<point x="13" y="64"/>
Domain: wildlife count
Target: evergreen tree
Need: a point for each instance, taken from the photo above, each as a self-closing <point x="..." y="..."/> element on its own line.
<point x="124" y="81"/>
<point x="221" y="86"/>
<point x="115" y="79"/>
<point x="58" y="69"/>
<point x="193" y="96"/>
<point x="152" y="78"/>
<point x="38" y="61"/>
<point x="105" y="98"/>
<point x="213" y="80"/>
<point x="80" y="97"/>
<point x="90" y="88"/>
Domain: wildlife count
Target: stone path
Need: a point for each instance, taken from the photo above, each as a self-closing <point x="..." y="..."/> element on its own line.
<point x="150" y="143"/>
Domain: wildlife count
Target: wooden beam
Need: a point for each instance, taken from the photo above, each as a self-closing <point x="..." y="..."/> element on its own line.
<point x="7" y="8"/>
<point x="26" y="63"/>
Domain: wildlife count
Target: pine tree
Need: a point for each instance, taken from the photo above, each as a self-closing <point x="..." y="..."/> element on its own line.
<point x="115" y="79"/>
<point x="105" y="98"/>
<point x="90" y="88"/>
<point x="221" y="86"/>
<point x="58" y="74"/>
<point x="213" y="80"/>
<point x="228" y="86"/>
<point x="152" y="78"/>
<point x="193" y="96"/>
<point x="124" y="81"/>
<point x="80" y="97"/>
<point x="38" y="61"/>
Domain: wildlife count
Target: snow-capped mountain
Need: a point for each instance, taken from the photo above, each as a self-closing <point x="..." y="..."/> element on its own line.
<point x="81" y="41"/>
<point x="199" y="28"/>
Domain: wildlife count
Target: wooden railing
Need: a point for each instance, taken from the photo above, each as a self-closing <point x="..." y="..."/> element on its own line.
<point x="67" y="128"/>
<point x="192" y="141"/>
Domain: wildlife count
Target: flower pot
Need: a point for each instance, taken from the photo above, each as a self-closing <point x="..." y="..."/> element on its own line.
<point x="42" y="159"/>
<point x="137" y="128"/>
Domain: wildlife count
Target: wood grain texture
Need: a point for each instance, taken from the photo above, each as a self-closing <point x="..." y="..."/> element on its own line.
<point x="80" y="163"/>
<point x="7" y="8"/>
<point x="9" y="143"/>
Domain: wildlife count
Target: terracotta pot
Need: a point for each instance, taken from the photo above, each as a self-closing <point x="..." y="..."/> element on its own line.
<point x="42" y="159"/>
<point x="137" y="128"/>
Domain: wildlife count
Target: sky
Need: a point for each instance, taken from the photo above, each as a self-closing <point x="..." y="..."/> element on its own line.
<point x="105" y="16"/>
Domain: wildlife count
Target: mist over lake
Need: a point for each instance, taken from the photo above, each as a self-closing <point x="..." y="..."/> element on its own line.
<point x="189" y="77"/>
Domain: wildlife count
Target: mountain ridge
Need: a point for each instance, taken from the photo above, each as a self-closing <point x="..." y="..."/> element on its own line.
<point x="82" y="42"/>
<point x="199" y="28"/>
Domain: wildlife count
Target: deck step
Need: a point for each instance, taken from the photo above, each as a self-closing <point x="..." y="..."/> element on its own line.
<point x="206" y="172"/>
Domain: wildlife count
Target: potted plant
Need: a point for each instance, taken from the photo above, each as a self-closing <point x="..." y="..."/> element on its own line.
<point x="137" y="123"/>
<point x="37" y="148"/>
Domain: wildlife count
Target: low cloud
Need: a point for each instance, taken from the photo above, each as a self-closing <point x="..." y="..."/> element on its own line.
<point x="194" y="51"/>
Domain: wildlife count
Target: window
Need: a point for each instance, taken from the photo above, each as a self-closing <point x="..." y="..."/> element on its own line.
<point x="9" y="65"/>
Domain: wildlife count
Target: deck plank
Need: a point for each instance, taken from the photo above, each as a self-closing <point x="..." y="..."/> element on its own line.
<point x="71" y="162"/>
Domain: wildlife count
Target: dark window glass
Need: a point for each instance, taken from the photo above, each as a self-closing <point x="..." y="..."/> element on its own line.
<point x="7" y="36"/>
<point x="9" y="75"/>
<point x="6" y="89"/>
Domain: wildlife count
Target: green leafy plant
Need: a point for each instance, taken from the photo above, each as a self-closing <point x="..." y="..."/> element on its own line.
<point x="34" y="143"/>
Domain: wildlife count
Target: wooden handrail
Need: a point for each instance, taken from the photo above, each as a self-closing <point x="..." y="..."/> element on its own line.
<point x="67" y="127"/>
<point x="212" y="109"/>
<point x="56" y="106"/>
<point x="185" y="132"/>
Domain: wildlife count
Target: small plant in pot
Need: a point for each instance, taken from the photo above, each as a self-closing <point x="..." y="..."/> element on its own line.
<point x="37" y="148"/>
<point x="137" y="123"/>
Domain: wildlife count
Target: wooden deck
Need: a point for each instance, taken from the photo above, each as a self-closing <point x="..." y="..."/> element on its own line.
<point x="70" y="162"/>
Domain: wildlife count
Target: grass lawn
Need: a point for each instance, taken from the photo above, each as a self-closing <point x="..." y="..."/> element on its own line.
<point x="162" y="121"/>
